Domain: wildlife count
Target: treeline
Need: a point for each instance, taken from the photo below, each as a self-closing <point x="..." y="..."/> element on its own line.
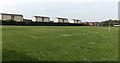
<point x="110" y="22"/>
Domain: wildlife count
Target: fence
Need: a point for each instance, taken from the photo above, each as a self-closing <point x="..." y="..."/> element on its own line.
<point x="39" y="24"/>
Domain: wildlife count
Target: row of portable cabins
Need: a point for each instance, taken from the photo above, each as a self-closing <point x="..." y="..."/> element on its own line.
<point x="19" y="18"/>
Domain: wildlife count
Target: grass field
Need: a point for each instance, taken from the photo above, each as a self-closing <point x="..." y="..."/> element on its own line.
<point x="0" y="43"/>
<point x="59" y="43"/>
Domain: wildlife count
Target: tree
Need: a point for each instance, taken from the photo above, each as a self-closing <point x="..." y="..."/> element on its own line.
<point x="109" y="22"/>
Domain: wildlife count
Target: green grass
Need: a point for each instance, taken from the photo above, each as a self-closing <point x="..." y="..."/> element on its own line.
<point x="59" y="43"/>
<point x="0" y="43"/>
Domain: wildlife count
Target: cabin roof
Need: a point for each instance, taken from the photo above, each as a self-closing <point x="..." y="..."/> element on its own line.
<point x="41" y="16"/>
<point x="76" y="19"/>
<point x="61" y="18"/>
<point x="11" y="14"/>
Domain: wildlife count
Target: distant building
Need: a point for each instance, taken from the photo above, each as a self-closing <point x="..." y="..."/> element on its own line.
<point x="76" y="20"/>
<point x="51" y="21"/>
<point x="61" y="20"/>
<point x="27" y="20"/>
<point x="12" y="17"/>
<point x="92" y="23"/>
<point x="40" y="19"/>
<point x="116" y="25"/>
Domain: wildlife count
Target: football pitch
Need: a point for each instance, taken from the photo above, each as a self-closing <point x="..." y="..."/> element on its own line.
<point x="59" y="43"/>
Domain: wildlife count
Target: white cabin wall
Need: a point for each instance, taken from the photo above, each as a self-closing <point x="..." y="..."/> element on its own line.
<point x="60" y="20"/>
<point x="55" y="19"/>
<point x="46" y="19"/>
<point x="34" y="19"/>
<point x="39" y="19"/>
<point x="18" y="18"/>
<point x="79" y="22"/>
<point x="71" y="21"/>
<point x="65" y="21"/>
<point x="6" y="17"/>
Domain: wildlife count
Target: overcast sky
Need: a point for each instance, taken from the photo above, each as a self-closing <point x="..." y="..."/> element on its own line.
<point x="86" y="10"/>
